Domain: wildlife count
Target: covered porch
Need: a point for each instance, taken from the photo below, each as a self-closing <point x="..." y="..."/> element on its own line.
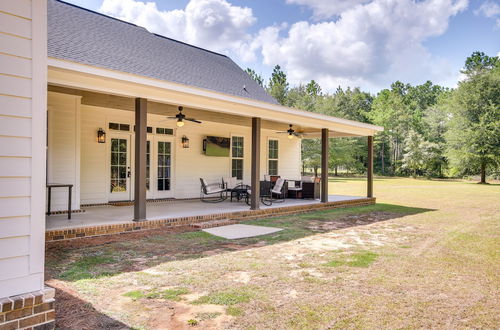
<point x="93" y="101"/>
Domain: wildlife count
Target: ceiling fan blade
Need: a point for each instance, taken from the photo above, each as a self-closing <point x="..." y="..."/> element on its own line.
<point x="171" y="117"/>
<point x="193" y="120"/>
<point x="281" y="132"/>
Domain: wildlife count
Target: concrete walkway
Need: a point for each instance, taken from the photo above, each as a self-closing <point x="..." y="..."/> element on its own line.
<point x="108" y="214"/>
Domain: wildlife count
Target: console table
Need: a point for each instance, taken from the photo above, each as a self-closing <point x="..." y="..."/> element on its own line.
<point x="59" y="185"/>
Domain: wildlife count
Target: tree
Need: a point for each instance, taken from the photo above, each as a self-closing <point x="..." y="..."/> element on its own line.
<point x="311" y="155"/>
<point x="313" y="88"/>
<point x="479" y="63"/>
<point x="257" y="77"/>
<point x="420" y="155"/>
<point x="473" y="135"/>
<point x="278" y="85"/>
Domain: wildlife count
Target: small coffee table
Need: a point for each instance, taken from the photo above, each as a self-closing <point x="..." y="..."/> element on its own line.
<point x="240" y="192"/>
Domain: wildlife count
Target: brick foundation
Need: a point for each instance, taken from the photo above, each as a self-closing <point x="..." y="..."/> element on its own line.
<point x="34" y="310"/>
<point x="73" y="233"/>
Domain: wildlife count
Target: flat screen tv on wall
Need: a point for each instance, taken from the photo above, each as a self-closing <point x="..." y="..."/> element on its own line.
<point x="216" y="146"/>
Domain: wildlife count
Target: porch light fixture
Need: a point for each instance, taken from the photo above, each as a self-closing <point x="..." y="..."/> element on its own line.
<point x="290" y="136"/>
<point x="185" y="141"/>
<point x="179" y="123"/>
<point x="101" y="136"/>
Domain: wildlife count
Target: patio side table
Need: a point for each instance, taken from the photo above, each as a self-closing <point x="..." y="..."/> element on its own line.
<point x="59" y="185"/>
<point x="240" y="192"/>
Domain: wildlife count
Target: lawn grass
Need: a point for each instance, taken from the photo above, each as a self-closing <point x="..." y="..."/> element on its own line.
<point x="359" y="259"/>
<point x="228" y="297"/>
<point x="425" y="256"/>
<point x="167" y="294"/>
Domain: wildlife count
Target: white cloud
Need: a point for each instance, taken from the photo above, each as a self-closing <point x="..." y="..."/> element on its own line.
<point x="369" y="45"/>
<point x="490" y="9"/>
<point x="214" y="24"/>
<point x="328" y="8"/>
<point x="366" y="44"/>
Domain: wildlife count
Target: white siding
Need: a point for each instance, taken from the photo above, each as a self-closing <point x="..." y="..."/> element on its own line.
<point x="14" y="65"/>
<point x="14" y="45"/>
<point x="188" y="164"/>
<point x="20" y="8"/>
<point x="15" y="106"/>
<point x="14" y="267"/>
<point x="18" y="226"/>
<point x="63" y="157"/>
<point x="23" y="81"/>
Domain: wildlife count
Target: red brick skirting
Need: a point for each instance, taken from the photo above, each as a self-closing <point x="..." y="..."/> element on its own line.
<point x="73" y="233"/>
<point x="34" y="310"/>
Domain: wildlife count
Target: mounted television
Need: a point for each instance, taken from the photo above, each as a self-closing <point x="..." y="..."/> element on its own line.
<point x="217" y="146"/>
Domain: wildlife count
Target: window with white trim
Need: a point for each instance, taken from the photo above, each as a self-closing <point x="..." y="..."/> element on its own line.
<point x="272" y="159"/>
<point x="237" y="153"/>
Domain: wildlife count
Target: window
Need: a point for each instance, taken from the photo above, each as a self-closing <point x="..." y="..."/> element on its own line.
<point x="165" y="131"/>
<point x="272" y="168"/>
<point x="119" y="127"/>
<point x="164" y="163"/>
<point x="237" y="157"/>
<point x="149" y="129"/>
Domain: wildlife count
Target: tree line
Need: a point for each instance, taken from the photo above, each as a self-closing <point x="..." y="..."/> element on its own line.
<point x="429" y="130"/>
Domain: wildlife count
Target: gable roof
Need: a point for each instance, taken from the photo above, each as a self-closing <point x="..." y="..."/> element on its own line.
<point x="87" y="37"/>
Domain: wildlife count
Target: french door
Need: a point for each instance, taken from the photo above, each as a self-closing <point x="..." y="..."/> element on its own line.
<point x="164" y="161"/>
<point x="119" y="168"/>
<point x="159" y="168"/>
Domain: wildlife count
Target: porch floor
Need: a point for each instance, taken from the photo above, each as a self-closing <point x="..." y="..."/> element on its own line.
<point x="109" y="214"/>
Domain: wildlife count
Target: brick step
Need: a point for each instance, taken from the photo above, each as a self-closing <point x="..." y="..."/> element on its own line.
<point x="213" y="223"/>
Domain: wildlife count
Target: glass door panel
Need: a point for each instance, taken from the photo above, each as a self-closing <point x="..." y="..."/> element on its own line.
<point x="164" y="165"/>
<point x="119" y="169"/>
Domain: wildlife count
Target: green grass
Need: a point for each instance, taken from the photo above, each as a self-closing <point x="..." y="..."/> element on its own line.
<point x="207" y="316"/>
<point x="234" y="311"/>
<point x="135" y="294"/>
<point x="361" y="259"/>
<point x="88" y="267"/>
<point x="168" y="294"/>
<point x="226" y="297"/>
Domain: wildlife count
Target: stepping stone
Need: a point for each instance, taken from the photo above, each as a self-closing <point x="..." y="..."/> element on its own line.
<point x="213" y="223"/>
<point x="241" y="231"/>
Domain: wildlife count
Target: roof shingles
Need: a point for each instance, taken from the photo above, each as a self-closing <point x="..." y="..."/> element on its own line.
<point x="83" y="36"/>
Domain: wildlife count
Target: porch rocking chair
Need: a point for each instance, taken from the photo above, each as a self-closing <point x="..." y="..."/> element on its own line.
<point x="212" y="193"/>
<point x="277" y="194"/>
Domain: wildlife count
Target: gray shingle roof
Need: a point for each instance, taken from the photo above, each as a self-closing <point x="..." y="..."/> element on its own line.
<point x="83" y="36"/>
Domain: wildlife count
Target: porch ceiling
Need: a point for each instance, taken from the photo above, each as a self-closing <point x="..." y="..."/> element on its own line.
<point x="163" y="109"/>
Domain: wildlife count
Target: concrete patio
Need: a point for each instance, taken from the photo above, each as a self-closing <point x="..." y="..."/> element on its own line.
<point x="113" y="215"/>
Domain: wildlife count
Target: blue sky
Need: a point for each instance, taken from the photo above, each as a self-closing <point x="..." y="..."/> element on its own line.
<point x="365" y="43"/>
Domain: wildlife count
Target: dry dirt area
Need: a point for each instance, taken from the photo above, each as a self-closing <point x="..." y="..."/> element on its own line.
<point x="426" y="256"/>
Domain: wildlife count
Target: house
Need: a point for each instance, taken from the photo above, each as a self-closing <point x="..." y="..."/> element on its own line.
<point x="85" y="100"/>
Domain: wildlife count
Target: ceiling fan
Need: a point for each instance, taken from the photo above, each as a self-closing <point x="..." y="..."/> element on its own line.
<point x="180" y="117"/>
<point x="291" y="132"/>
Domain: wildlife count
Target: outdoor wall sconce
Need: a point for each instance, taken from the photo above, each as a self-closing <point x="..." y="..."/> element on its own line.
<point x="101" y="136"/>
<point x="185" y="142"/>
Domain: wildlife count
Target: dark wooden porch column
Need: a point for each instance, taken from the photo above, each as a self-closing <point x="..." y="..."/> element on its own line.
<point x="324" y="165"/>
<point x="140" y="159"/>
<point x="255" y="180"/>
<point x="369" y="171"/>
